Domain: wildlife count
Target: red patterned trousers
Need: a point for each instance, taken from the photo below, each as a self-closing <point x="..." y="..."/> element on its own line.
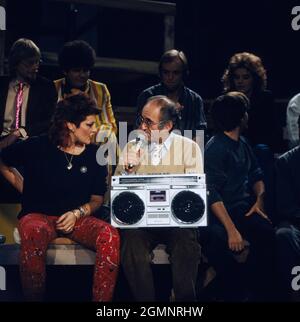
<point x="38" y="230"/>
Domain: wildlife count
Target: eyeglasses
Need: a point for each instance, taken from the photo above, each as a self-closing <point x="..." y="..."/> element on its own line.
<point x="31" y="62"/>
<point x="140" y="120"/>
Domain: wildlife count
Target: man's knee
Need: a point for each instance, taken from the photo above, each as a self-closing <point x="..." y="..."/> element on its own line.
<point x="185" y="235"/>
<point x="134" y="247"/>
<point x="132" y="237"/>
<point x="185" y="245"/>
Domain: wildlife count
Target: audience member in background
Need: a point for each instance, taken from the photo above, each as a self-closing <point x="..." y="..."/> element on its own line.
<point x="292" y="121"/>
<point x="76" y="59"/>
<point x="63" y="185"/>
<point x="27" y="101"/>
<point x="288" y="232"/>
<point x="173" y="71"/>
<point x="245" y="73"/>
<point x="232" y="172"/>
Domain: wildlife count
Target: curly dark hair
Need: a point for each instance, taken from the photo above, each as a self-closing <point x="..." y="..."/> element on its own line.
<point x="73" y="109"/>
<point x="77" y="53"/>
<point x="228" y="110"/>
<point x="250" y="62"/>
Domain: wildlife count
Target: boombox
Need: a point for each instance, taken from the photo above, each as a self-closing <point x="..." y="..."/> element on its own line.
<point x="177" y="200"/>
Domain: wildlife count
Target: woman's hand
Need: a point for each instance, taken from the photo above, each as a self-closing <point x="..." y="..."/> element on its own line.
<point x="66" y="222"/>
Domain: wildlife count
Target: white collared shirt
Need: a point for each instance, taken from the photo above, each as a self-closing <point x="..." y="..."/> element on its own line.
<point x="159" y="151"/>
<point x="292" y="121"/>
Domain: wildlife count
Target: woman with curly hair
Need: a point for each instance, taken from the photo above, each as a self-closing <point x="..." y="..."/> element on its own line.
<point x="245" y="73"/>
<point x="62" y="187"/>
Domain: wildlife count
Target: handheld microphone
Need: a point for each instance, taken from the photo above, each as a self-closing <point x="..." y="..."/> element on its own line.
<point x="140" y="141"/>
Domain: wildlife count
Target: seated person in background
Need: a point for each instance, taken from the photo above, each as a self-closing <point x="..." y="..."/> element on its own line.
<point x="245" y="73"/>
<point x="231" y="169"/>
<point x="76" y="59"/>
<point x="27" y="102"/>
<point x="173" y="70"/>
<point x="167" y="153"/>
<point x="288" y="208"/>
<point x="292" y="121"/>
<point x="63" y="186"/>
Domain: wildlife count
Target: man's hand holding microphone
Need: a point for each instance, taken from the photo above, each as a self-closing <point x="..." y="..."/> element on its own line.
<point x="134" y="154"/>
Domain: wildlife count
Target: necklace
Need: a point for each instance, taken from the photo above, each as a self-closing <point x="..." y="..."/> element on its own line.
<point x="70" y="165"/>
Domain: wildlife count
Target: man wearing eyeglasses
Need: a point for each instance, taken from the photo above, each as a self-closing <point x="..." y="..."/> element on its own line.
<point x="164" y="152"/>
<point x="27" y="101"/>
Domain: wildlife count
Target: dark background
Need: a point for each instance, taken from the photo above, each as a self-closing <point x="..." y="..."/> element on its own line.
<point x="208" y="31"/>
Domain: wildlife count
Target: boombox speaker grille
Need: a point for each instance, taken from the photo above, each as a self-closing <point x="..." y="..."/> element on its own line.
<point x="187" y="207"/>
<point x="128" y="208"/>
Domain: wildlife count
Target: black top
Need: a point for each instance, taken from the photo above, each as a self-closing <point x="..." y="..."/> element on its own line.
<point x="264" y="124"/>
<point x="49" y="187"/>
<point x="192" y="115"/>
<point x="288" y="185"/>
<point x="231" y="169"/>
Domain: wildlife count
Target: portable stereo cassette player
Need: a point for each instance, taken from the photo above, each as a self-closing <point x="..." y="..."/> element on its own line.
<point x="177" y="200"/>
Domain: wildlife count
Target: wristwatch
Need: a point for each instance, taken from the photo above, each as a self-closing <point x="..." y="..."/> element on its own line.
<point x="23" y="133"/>
<point x="81" y="212"/>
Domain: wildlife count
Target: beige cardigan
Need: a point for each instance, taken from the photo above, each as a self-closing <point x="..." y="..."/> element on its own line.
<point x="184" y="156"/>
